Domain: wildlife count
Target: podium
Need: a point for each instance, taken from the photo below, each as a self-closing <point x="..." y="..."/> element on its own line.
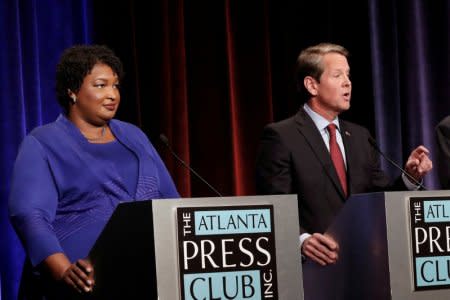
<point x="124" y="256"/>
<point x="393" y="245"/>
<point x="195" y="248"/>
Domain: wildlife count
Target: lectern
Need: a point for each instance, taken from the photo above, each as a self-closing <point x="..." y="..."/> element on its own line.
<point x="200" y="248"/>
<point x="124" y="256"/>
<point x="393" y="245"/>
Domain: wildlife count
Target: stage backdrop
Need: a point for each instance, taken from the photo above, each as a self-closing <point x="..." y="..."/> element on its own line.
<point x="211" y="74"/>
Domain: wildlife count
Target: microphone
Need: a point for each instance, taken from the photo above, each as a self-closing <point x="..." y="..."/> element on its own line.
<point x="375" y="145"/>
<point x="165" y="141"/>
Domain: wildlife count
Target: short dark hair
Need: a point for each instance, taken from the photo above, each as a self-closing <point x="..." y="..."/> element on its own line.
<point x="75" y="63"/>
<point x="309" y="63"/>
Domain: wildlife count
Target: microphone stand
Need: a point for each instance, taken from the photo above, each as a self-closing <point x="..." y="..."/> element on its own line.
<point x="165" y="141"/>
<point x="375" y="145"/>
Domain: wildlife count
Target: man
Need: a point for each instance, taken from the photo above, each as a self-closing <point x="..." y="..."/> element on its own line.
<point x="295" y="158"/>
<point x="442" y="135"/>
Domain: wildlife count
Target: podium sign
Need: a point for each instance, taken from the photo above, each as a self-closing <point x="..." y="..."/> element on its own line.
<point x="223" y="238"/>
<point x="228" y="248"/>
<point x="430" y="231"/>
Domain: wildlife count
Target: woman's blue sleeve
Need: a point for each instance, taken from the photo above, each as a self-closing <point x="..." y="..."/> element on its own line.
<point x="33" y="201"/>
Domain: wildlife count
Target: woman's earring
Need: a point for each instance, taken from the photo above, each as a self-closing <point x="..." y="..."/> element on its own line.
<point x="74" y="98"/>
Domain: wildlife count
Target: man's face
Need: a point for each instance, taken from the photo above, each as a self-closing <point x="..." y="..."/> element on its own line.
<point x="334" y="90"/>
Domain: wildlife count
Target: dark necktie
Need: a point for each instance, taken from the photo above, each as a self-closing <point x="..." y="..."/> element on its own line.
<point x="336" y="157"/>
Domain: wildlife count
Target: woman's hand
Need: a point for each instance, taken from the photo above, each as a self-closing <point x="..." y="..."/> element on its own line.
<point x="78" y="276"/>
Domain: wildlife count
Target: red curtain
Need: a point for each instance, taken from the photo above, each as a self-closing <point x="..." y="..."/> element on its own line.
<point x="210" y="75"/>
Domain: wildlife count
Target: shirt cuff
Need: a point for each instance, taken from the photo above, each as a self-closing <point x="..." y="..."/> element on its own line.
<point x="409" y="185"/>
<point x="303" y="237"/>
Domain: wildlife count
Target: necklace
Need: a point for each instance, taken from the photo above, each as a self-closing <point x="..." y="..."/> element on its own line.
<point x="102" y="135"/>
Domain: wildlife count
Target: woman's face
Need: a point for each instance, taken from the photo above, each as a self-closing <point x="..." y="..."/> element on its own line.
<point x="99" y="97"/>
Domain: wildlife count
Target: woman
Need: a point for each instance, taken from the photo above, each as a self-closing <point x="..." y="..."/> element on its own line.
<point x="70" y="175"/>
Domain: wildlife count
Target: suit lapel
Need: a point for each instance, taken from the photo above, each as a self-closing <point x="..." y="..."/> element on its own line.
<point x="314" y="139"/>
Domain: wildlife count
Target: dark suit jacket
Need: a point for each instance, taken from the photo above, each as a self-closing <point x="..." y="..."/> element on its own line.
<point x="293" y="159"/>
<point x="443" y="142"/>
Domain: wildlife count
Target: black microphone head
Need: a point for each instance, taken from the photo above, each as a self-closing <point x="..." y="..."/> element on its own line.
<point x="164" y="139"/>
